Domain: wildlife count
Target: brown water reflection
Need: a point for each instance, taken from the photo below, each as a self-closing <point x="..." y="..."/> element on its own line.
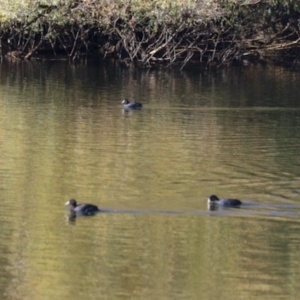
<point x="63" y="134"/>
<point x="157" y="256"/>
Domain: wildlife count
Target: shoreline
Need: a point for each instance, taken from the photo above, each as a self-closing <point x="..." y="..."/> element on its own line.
<point x="150" y="34"/>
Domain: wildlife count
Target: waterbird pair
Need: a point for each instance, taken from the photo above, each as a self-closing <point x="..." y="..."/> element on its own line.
<point x="91" y="209"/>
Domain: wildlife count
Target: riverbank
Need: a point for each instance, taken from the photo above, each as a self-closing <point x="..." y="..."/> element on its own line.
<point x="150" y="33"/>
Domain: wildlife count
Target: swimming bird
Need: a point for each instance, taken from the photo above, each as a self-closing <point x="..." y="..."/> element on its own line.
<point x="131" y="105"/>
<point x="82" y="209"/>
<point x="214" y="200"/>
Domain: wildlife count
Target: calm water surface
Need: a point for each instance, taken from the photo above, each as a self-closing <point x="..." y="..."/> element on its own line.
<point x="231" y="133"/>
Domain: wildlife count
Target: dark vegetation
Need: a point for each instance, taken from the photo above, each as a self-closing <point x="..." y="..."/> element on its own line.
<point x="150" y="33"/>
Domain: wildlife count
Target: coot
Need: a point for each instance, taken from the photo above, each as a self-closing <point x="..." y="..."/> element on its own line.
<point x="214" y="200"/>
<point x="131" y="105"/>
<point x="82" y="209"/>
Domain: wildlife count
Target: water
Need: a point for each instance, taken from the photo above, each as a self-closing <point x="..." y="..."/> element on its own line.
<point x="63" y="135"/>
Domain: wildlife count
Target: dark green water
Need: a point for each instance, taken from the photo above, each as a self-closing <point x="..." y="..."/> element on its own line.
<point x="63" y="134"/>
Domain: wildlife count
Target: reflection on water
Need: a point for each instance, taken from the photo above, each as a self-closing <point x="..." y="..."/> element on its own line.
<point x="63" y="134"/>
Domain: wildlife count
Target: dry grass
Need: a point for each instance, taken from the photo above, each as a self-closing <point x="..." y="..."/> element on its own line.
<point x="161" y="10"/>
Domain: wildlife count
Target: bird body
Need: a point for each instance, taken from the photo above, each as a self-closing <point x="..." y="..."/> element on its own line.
<point x="82" y="209"/>
<point x="214" y="200"/>
<point x="127" y="105"/>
